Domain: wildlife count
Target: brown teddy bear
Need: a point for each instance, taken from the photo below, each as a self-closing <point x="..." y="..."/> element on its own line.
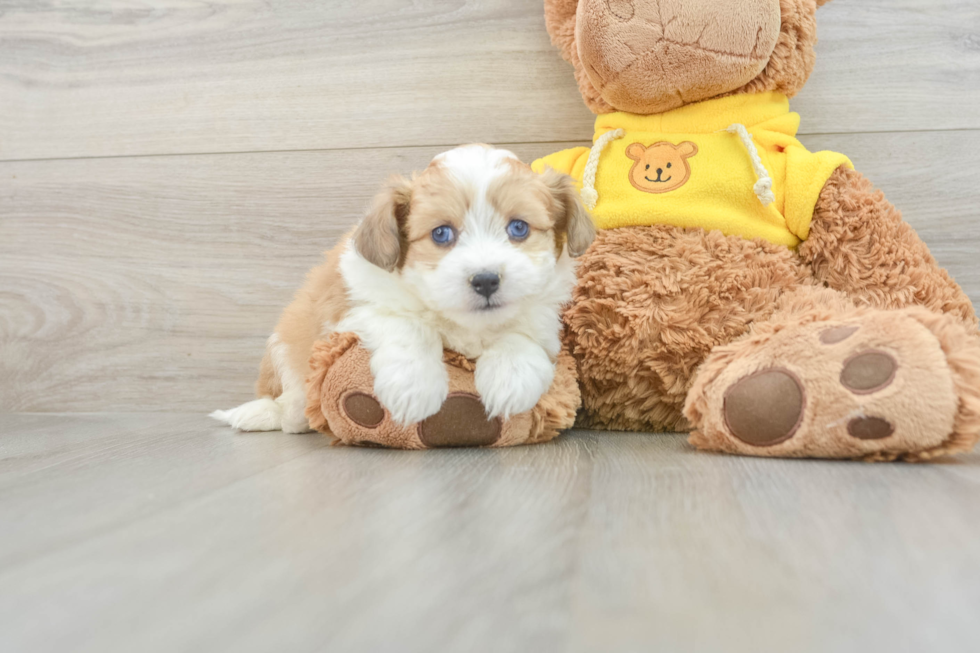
<point x="765" y="297"/>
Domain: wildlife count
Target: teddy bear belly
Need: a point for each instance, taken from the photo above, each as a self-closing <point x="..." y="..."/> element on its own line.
<point x="652" y="302"/>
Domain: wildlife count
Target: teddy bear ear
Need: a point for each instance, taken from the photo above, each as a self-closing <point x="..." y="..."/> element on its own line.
<point x="559" y="18"/>
<point x="635" y="151"/>
<point x="687" y="149"/>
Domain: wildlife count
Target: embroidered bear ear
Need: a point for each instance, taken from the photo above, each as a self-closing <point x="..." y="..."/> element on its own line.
<point x="635" y="151"/>
<point x="687" y="149"/>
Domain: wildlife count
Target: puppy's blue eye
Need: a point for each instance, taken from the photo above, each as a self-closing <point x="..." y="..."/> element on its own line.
<point x="518" y="229"/>
<point x="443" y="235"/>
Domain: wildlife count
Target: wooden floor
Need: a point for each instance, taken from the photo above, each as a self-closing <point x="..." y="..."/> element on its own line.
<point x="162" y="532"/>
<point x="169" y="171"/>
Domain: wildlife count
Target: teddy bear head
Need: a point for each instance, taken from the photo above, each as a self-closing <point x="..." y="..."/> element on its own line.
<point x="651" y="56"/>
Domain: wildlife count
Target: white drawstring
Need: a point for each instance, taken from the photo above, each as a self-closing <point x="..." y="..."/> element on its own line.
<point x="589" y="195"/>
<point x="763" y="187"/>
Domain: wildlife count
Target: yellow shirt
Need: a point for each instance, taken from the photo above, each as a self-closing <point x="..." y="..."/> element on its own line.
<point x="683" y="168"/>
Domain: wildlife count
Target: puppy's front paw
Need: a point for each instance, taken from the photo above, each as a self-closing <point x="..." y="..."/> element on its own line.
<point x="511" y="383"/>
<point x="412" y="391"/>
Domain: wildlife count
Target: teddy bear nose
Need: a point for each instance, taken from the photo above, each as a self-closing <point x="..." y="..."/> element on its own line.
<point x="660" y="171"/>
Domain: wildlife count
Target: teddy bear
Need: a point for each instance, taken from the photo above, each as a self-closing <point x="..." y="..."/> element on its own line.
<point x="767" y="299"/>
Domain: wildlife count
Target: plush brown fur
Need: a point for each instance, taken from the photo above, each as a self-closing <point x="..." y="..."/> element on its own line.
<point x="793" y="59"/>
<point x="652" y="303"/>
<point x="859" y="244"/>
<point x="560" y="19"/>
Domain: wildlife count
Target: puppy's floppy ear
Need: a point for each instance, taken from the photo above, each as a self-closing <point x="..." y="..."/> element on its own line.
<point x="379" y="237"/>
<point x="570" y="215"/>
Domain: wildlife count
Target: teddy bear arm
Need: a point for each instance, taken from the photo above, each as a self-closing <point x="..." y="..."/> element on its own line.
<point x="859" y="244"/>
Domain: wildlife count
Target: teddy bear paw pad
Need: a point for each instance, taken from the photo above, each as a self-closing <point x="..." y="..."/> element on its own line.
<point x="870" y="428"/>
<point x="765" y="408"/>
<point x="363" y="409"/>
<point x="868" y="372"/>
<point x="462" y="422"/>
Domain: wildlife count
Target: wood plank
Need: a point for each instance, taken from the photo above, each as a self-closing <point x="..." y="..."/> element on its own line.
<point x="893" y="66"/>
<point x="79" y="457"/>
<point x="266" y="559"/>
<point x="152" y="283"/>
<point x="714" y="553"/>
<point x="243" y="75"/>
<point x="184" y="536"/>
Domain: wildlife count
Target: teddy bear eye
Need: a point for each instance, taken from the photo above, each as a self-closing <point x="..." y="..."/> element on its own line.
<point x="648" y="166"/>
<point x="668" y="165"/>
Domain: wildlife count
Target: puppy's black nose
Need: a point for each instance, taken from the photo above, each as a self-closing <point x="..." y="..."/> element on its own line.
<point x="485" y="283"/>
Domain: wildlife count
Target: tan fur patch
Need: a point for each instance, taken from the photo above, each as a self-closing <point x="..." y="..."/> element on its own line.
<point x="437" y="200"/>
<point x="573" y="224"/>
<point x="524" y="196"/>
<point x="321" y="300"/>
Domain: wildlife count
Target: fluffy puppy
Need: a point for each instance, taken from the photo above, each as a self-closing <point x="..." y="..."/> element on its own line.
<point x="474" y="255"/>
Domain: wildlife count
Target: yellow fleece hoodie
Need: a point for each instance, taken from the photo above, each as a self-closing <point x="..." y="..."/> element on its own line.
<point x="685" y="168"/>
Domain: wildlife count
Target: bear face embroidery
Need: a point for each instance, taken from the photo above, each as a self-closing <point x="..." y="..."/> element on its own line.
<point x="662" y="167"/>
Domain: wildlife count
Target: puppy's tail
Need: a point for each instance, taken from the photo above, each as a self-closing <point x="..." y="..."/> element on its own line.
<point x="263" y="414"/>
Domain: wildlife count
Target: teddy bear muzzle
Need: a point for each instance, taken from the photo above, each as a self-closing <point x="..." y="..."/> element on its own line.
<point x="650" y="57"/>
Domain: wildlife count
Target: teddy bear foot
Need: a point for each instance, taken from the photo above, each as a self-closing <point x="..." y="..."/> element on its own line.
<point x="341" y="402"/>
<point x="864" y="384"/>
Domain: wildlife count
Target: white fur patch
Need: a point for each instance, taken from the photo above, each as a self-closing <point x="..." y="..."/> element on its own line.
<point x="292" y="401"/>
<point x="286" y="412"/>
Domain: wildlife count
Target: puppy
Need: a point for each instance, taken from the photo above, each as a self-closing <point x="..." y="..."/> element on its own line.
<point x="474" y="255"/>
